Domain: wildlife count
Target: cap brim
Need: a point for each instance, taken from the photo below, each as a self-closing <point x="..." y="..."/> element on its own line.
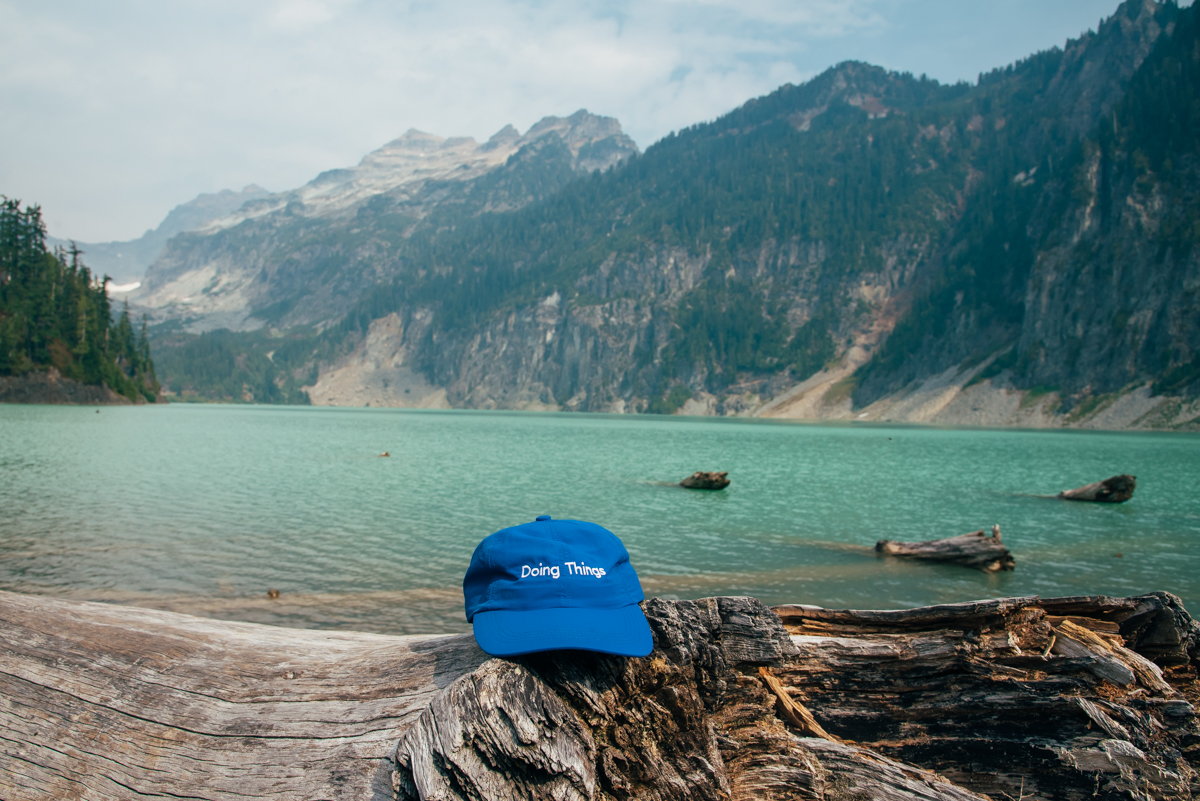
<point x="623" y="631"/>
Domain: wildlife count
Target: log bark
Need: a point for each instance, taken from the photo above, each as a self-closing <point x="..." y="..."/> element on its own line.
<point x="977" y="549"/>
<point x="1116" y="489"/>
<point x="1020" y="697"/>
<point x="706" y="481"/>
<point x="1068" y="698"/>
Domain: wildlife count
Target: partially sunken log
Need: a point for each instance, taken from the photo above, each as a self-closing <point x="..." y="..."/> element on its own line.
<point x="706" y="481"/>
<point x="978" y="550"/>
<point x="1016" y="698"/>
<point x="1117" y="489"/>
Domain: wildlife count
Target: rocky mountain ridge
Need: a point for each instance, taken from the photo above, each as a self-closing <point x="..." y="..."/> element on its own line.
<point x="343" y="228"/>
<point x="404" y="165"/>
<point x="126" y="262"/>
<point x="867" y="245"/>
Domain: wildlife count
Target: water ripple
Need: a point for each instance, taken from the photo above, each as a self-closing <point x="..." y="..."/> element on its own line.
<point x="203" y="508"/>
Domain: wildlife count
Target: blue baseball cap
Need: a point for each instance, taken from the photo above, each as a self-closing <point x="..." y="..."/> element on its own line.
<point x="555" y="584"/>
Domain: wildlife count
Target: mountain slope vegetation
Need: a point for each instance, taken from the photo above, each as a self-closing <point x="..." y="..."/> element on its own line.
<point x="1033" y="230"/>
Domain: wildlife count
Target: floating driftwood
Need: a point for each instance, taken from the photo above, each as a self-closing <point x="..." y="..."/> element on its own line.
<point x="1055" y="699"/>
<point x="1117" y="489"/>
<point x="706" y="481"/>
<point x="978" y="550"/>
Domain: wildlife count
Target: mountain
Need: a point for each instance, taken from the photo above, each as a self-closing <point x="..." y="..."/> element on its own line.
<point x="126" y="262"/>
<point x="307" y="255"/>
<point x="1084" y="285"/>
<point x="867" y="245"/>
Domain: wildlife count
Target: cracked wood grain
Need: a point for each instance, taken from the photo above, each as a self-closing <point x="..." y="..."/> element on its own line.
<point x="1066" y="698"/>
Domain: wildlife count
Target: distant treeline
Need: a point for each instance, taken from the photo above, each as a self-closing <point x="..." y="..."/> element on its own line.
<point x="53" y="313"/>
<point x="236" y="367"/>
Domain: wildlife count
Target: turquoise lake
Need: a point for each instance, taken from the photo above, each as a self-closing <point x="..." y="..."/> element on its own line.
<point x="202" y="509"/>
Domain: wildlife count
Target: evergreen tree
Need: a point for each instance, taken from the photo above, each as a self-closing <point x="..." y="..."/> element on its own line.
<point x="54" y="313"/>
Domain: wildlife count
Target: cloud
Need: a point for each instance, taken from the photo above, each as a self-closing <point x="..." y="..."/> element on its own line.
<point x="116" y="111"/>
<point x="299" y="15"/>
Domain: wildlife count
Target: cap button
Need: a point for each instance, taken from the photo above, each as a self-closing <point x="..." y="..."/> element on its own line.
<point x="540" y="518"/>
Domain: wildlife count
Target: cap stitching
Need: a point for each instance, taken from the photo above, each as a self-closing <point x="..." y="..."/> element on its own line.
<point x="562" y="558"/>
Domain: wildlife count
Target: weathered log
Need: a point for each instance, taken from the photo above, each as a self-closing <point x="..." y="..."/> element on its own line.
<point x="1008" y="698"/>
<point x="694" y="720"/>
<point x="978" y="550"/>
<point x="706" y="481"/>
<point x="986" y="695"/>
<point x="105" y="702"/>
<point x="1117" y="489"/>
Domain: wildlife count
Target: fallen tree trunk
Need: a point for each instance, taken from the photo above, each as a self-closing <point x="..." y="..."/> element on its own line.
<point x="1116" y="489"/>
<point x="977" y="549"/>
<point x="108" y="702"/>
<point x="1020" y="697"/>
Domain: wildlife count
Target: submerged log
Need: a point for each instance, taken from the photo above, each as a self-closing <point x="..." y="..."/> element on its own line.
<point x="977" y="549"/>
<point x="706" y="481"/>
<point x="1117" y="489"/>
<point x="1021" y="697"/>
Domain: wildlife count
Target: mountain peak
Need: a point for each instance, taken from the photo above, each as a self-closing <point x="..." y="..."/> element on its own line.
<point x="504" y="134"/>
<point x="596" y="142"/>
<point x="410" y="140"/>
<point x="1095" y="67"/>
<point x="577" y="129"/>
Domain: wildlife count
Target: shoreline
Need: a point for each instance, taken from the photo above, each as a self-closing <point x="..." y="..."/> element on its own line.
<point x="939" y="402"/>
<point x="51" y="387"/>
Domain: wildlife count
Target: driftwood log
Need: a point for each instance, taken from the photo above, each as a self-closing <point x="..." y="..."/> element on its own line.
<point x="977" y="549"/>
<point x="1117" y="489"/>
<point x="706" y="481"/>
<point x="1067" y="698"/>
<point x="109" y="702"/>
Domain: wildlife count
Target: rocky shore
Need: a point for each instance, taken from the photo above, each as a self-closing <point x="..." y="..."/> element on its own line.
<point x="50" y="386"/>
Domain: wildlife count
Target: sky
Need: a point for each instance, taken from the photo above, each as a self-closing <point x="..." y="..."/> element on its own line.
<point x="112" y="113"/>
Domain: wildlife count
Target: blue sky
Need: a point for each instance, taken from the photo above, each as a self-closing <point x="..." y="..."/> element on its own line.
<point x="112" y="113"/>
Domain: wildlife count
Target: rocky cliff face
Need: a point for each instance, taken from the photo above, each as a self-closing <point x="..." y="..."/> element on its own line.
<point x="866" y="245"/>
<point x="1095" y="255"/>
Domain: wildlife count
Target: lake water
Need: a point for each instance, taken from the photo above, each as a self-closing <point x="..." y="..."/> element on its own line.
<point x="202" y="509"/>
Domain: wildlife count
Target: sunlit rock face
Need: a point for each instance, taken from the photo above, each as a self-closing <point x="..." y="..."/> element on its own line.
<point x="305" y="255"/>
<point x="126" y="262"/>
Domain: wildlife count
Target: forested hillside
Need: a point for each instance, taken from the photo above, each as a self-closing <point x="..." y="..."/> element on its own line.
<point x="53" y="313"/>
<point x="862" y="234"/>
<point x="1085" y="266"/>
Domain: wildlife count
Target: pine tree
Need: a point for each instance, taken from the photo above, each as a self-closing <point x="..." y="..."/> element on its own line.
<point x="53" y="313"/>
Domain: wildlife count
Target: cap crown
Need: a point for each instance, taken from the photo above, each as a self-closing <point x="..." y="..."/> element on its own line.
<point x="550" y="564"/>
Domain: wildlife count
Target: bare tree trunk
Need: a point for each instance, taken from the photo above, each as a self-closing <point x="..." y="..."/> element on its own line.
<point x="977" y="550"/>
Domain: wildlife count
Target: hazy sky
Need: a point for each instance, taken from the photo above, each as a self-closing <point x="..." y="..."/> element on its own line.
<point x="113" y="112"/>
